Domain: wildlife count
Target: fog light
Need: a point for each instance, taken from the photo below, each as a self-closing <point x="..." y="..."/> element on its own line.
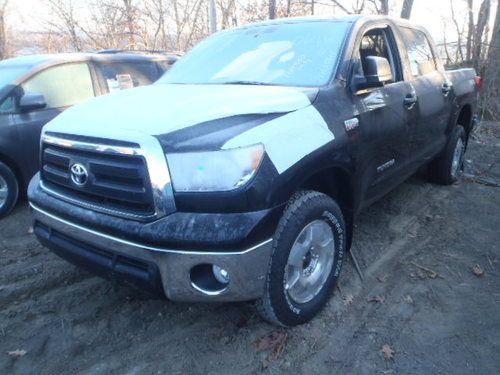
<point x="220" y="274"/>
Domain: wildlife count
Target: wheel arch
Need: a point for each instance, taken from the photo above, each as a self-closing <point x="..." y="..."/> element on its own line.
<point x="337" y="183"/>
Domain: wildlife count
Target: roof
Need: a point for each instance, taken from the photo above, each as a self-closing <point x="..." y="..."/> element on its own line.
<point x="49" y="59"/>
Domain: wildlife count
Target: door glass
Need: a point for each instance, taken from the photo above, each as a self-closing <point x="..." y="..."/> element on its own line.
<point x="375" y="43"/>
<point x="126" y="75"/>
<point x="63" y="85"/>
<point x="419" y="52"/>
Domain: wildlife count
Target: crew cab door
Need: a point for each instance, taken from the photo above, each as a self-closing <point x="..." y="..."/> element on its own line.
<point x="385" y="121"/>
<point x="433" y="103"/>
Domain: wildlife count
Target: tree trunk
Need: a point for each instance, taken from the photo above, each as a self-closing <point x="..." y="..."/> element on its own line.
<point x="272" y="9"/>
<point x="406" y="9"/>
<point x="3" y="32"/>
<point x="482" y="20"/>
<point x="384" y="7"/>
<point x="470" y="30"/>
<point x="491" y="92"/>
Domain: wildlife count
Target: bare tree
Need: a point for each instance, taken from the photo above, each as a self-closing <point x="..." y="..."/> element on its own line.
<point x="3" y="30"/>
<point x="491" y="92"/>
<point x="272" y="9"/>
<point x="470" y="29"/>
<point x="64" y="11"/>
<point x="460" y="53"/>
<point x="482" y="21"/>
<point x="406" y="9"/>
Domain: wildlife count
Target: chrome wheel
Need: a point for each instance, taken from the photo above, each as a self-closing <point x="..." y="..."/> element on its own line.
<point x="457" y="158"/>
<point x="4" y="191"/>
<point x="310" y="261"/>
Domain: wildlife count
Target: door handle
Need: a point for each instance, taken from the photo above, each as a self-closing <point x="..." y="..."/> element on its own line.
<point x="410" y="100"/>
<point x="446" y="88"/>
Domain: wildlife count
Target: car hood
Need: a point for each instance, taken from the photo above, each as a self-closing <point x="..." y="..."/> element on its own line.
<point x="164" y="108"/>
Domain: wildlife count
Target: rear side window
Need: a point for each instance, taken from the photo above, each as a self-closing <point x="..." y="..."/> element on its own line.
<point x="125" y="75"/>
<point x="63" y="85"/>
<point x="419" y="52"/>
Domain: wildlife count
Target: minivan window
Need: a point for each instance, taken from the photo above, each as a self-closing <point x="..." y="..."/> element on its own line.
<point x="62" y="85"/>
<point x="419" y="52"/>
<point x="9" y="73"/>
<point x="293" y="54"/>
<point x="125" y="75"/>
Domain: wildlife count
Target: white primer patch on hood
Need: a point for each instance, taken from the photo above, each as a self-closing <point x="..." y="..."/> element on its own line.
<point x="288" y="139"/>
<point x="163" y="108"/>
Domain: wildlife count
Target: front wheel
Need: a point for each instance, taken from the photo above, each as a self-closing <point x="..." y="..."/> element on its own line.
<point x="308" y="248"/>
<point x="9" y="190"/>
<point x="446" y="168"/>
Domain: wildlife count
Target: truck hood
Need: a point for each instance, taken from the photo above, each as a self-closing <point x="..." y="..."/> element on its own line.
<point x="164" y="108"/>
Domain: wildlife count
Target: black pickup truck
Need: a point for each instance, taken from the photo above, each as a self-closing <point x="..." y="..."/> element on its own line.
<point x="238" y="174"/>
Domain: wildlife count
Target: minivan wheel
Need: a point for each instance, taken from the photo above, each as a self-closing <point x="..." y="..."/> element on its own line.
<point x="9" y="190"/>
<point x="446" y="168"/>
<point x="308" y="249"/>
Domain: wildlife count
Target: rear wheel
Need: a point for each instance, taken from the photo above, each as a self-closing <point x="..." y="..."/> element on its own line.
<point x="446" y="168"/>
<point x="9" y="190"/>
<point x="309" y="245"/>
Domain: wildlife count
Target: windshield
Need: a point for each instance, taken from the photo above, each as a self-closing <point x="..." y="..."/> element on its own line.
<point x="8" y="73"/>
<point x="294" y="54"/>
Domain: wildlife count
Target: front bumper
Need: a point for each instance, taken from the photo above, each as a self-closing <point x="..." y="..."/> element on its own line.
<point x="181" y="275"/>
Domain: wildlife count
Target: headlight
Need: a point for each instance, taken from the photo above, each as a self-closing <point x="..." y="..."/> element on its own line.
<point x="214" y="170"/>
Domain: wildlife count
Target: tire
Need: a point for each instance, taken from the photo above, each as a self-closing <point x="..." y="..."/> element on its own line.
<point x="285" y="303"/>
<point x="9" y="190"/>
<point x="446" y="168"/>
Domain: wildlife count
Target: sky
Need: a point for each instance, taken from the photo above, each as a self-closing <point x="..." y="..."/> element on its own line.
<point x="30" y="15"/>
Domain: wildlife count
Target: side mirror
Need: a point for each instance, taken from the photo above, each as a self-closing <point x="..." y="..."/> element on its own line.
<point x="377" y="72"/>
<point x="31" y="102"/>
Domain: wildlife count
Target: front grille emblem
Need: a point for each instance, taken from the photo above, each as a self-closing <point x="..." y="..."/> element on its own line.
<point x="79" y="174"/>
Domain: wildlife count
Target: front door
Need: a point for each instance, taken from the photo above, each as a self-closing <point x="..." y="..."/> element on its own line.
<point x="62" y="86"/>
<point x="385" y="119"/>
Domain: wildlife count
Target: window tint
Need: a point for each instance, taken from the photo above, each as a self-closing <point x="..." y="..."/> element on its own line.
<point x="375" y="43"/>
<point x="63" y="85"/>
<point x="125" y="75"/>
<point x="419" y="52"/>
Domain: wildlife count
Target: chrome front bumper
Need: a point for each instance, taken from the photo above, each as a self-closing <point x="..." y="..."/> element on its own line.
<point x="247" y="269"/>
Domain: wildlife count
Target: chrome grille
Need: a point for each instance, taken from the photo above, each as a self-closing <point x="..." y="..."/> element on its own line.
<point x="117" y="182"/>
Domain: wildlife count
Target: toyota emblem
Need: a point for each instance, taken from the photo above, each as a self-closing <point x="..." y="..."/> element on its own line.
<point x="79" y="174"/>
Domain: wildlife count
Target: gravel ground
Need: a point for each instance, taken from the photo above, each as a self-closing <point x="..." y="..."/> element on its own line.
<point x="429" y="302"/>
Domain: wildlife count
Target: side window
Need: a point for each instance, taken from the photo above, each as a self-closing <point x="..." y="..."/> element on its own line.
<point x="419" y="52"/>
<point x="125" y="75"/>
<point x="63" y="85"/>
<point x="8" y="105"/>
<point x="375" y="43"/>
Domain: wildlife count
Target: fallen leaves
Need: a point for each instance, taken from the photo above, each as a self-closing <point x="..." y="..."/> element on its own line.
<point x="275" y="342"/>
<point x="17" y="353"/>
<point x="388" y="352"/>
<point x="407" y="299"/>
<point x="378" y="298"/>
<point x="348" y="299"/>
<point x="477" y="270"/>
<point x="424" y="272"/>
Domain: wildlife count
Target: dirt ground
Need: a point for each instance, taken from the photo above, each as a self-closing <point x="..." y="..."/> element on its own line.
<point x="420" y="300"/>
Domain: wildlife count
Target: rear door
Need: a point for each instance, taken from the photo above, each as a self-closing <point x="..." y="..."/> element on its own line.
<point x="385" y="122"/>
<point x="62" y="86"/>
<point x="433" y="95"/>
<point x="120" y="75"/>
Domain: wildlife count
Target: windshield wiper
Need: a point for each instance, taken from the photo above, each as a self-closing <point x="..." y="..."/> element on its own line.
<point x="256" y="83"/>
